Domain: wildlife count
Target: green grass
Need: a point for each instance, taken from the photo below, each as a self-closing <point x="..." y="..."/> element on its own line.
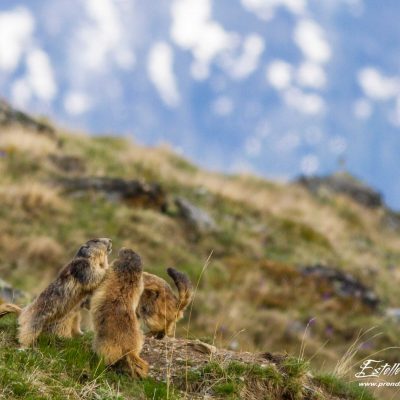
<point x="65" y="369"/>
<point x="230" y="379"/>
<point x="19" y="165"/>
<point x="296" y="242"/>
<point x="295" y="367"/>
<point x="181" y="163"/>
<point x="339" y="387"/>
<point x="68" y="369"/>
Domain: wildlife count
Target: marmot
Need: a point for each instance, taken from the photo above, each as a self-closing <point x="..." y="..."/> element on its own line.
<point x="159" y="307"/>
<point x="55" y="309"/>
<point x="70" y="325"/>
<point x="117" y="334"/>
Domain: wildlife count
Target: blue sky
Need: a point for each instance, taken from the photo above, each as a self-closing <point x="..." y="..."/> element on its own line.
<point x="275" y="87"/>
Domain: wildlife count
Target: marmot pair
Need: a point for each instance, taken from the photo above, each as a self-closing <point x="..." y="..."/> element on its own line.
<point x="126" y="294"/>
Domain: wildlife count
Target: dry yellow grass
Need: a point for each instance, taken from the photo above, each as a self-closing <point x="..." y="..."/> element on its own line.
<point x="44" y="249"/>
<point x="17" y="140"/>
<point x="32" y="197"/>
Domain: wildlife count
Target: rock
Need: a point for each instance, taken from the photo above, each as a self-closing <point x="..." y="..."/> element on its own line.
<point x="133" y="192"/>
<point x="197" y="218"/>
<point x="344" y="285"/>
<point x="68" y="163"/>
<point x="10" y="116"/>
<point x="393" y="313"/>
<point x="10" y="295"/>
<point x="202" y="347"/>
<point x="391" y="220"/>
<point x="275" y="358"/>
<point x="345" y="184"/>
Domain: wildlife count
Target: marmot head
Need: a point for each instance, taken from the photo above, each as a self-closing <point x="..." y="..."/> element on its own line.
<point x="127" y="262"/>
<point x="96" y="250"/>
<point x="105" y="241"/>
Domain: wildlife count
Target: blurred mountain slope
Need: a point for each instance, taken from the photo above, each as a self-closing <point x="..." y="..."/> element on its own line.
<point x="255" y="260"/>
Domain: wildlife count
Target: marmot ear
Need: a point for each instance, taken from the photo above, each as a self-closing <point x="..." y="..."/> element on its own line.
<point x="83" y="251"/>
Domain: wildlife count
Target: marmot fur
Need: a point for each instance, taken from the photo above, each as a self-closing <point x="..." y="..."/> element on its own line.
<point x="54" y="310"/>
<point x="118" y="338"/>
<point x="159" y="307"/>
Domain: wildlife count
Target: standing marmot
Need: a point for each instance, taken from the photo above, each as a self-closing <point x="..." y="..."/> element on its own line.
<point x="118" y="338"/>
<point x="70" y="324"/>
<point x="159" y="307"/>
<point x="51" y="310"/>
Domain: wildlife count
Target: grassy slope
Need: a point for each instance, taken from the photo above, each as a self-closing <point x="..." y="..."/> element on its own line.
<point x="250" y="295"/>
<point x="64" y="369"/>
<point x="68" y="369"/>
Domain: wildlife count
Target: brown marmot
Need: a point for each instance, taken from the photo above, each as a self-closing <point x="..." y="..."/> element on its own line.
<point x="55" y="309"/>
<point x="159" y="307"/>
<point x="70" y="325"/>
<point x="118" y="338"/>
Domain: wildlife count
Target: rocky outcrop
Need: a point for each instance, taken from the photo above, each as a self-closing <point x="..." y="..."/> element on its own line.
<point x="343" y="284"/>
<point x="345" y="184"/>
<point x="8" y="294"/>
<point x="393" y="314"/>
<point x="68" y="163"/>
<point x="10" y="116"/>
<point x="194" y="216"/>
<point x="133" y="192"/>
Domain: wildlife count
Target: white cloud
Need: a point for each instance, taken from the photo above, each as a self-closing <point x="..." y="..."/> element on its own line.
<point x="193" y="29"/>
<point x="247" y="62"/>
<point x="394" y="115"/>
<point x="102" y="39"/>
<point x="76" y="103"/>
<point x="222" y="106"/>
<point x="309" y="164"/>
<point x="378" y="86"/>
<point x="16" y="28"/>
<point x="199" y="70"/>
<point x="311" y="75"/>
<point x="39" y="75"/>
<point x="21" y="93"/>
<point x="310" y="38"/>
<point x="362" y="109"/>
<point x="161" y="74"/>
<point x="253" y="146"/>
<point x="306" y="103"/>
<point x="279" y="74"/>
<point x="125" y="58"/>
<point x="265" y="9"/>
<point x="16" y="44"/>
<point x="338" y="145"/>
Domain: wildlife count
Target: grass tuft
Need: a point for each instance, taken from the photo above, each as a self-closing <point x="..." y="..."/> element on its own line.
<point x="338" y="387"/>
